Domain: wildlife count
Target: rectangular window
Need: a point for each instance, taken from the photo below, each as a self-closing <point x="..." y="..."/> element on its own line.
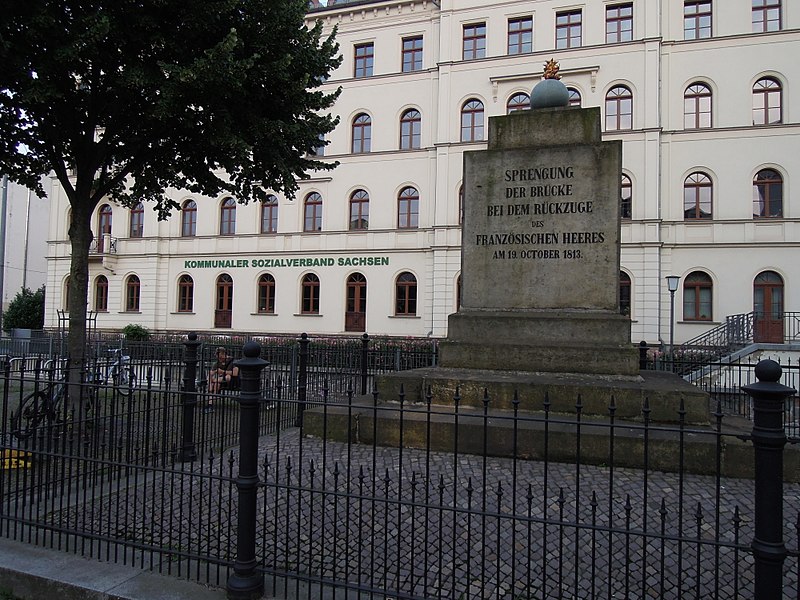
<point x="766" y="15"/>
<point x="412" y="54"/>
<point x="520" y="35"/>
<point x="696" y="19"/>
<point x="569" y="29"/>
<point x="619" y="23"/>
<point x="474" y="45"/>
<point x="363" y="59"/>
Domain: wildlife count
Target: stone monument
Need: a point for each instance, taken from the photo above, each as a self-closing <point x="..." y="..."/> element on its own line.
<point x="539" y="326"/>
<point x="540" y="264"/>
<point x="541" y="248"/>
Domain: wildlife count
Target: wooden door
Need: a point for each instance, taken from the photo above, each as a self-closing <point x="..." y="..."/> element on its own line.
<point x="224" y="305"/>
<point x="355" y="317"/>
<point x="768" y="308"/>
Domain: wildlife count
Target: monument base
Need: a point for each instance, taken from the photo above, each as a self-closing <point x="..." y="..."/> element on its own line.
<point x="554" y="341"/>
<point x="663" y="392"/>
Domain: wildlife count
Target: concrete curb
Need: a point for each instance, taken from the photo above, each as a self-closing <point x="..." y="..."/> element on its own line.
<point x="32" y="572"/>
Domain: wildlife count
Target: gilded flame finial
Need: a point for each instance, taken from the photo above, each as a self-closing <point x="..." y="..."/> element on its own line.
<point x="551" y="70"/>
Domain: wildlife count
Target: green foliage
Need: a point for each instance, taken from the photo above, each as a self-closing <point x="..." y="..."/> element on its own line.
<point x="137" y="104"/>
<point x="26" y="310"/>
<point x="136" y="333"/>
<point x="126" y="100"/>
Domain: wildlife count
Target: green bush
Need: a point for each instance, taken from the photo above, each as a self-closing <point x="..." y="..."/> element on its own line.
<point x="136" y="333"/>
<point x="26" y="310"/>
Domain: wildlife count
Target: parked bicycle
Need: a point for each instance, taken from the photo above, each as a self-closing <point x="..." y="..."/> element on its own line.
<point x="116" y="370"/>
<point x="47" y="406"/>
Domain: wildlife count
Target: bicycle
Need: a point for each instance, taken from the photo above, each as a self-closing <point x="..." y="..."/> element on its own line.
<point x="117" y="371"/>
<point x="43" y="405"/>
<point x="47" y="405"/>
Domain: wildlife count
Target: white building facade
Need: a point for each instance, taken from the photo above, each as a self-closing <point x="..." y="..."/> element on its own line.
<point x="701" y="93"/>
<point x="25" y="250"/>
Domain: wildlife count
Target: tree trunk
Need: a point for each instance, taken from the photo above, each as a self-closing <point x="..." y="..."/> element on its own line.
<point x="80" y="235"/>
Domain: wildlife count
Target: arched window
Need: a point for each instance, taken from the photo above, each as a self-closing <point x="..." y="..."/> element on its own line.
<point x="767" y="102"/>
<point x="624" y="293"/>
<point x="189" y="219"/>
<point x="362" y="134"/>
<point x="104" y="220"/>
<point x="269" y="214"/>
<point x="136" y="229"/>
<point x="619" y="109"/>
<point x="408" y="208"/>
<point x="410" y="130"/>
<point x="405" y="295"/>
<point x="266" y="294"/>
<point x="185" y="293"/>
<point x="101" y="293"/>
<point x="574" y="97"/>
<point x="625" y="197"/>
<point x="227" y="217"/>
<point x="312" y="208"/>
<point x="472" y="121"/>
<point x="697" y="194"/>
<point x="697" y="296"/>
<point x="103" y="225"/>
<point x="697" y="106"/>
<point x="132" y="287"/>
<point x="359" y="210"/>
<point x="310" y="295"/>
<point x="519" y="101"/>
<point x="768" y="194"/>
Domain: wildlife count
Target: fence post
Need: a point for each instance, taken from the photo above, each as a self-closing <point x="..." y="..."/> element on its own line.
<point x="643" y="348"/>
<point x="188" y="452"/>
<point x="245" y="583"/>
<point x="769" y="438"/>
<point x="302" y="379"/>
<point x="364" y="362"/>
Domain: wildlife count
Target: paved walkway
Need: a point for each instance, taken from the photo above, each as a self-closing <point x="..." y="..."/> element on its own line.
<point x="432" y="525"/>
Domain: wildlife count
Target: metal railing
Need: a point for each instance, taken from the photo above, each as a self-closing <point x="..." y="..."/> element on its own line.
<point x="334" y="494"/>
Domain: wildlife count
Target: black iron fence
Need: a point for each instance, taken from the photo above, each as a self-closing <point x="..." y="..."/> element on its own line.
<point x="311" y="490"/>
<point x="724" y="379"/>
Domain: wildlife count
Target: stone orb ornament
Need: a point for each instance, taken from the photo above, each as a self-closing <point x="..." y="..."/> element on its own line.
<point x="550" y="92"/>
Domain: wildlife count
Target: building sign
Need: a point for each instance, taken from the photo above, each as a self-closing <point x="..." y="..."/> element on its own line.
<point x="276" y="263"/>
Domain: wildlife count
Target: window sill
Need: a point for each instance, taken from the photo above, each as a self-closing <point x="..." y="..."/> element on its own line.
<point x="699" y="322"/>
<point x="264" y="314"/>
<point x="308" y="315"/>
<point x="182" y="312"/>
<point x="405" y="317"/>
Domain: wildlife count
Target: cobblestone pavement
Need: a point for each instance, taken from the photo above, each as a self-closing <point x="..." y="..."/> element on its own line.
<point x="438" y="525"/>
<point x="414" y="524"/>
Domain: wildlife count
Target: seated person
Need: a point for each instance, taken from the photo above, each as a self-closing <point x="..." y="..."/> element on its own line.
<point x="223" y="375"/>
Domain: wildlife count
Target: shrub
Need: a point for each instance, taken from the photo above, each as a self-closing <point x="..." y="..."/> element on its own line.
<point x="136" y="333"/>
<point x="26" y="310"/>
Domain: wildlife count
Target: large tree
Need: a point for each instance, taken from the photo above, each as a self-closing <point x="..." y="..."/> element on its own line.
<point x="122" y="99"/>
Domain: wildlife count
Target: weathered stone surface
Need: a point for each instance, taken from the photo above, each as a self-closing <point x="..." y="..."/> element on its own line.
<point x="663" y="392"/>
<point x="540" y="250"/>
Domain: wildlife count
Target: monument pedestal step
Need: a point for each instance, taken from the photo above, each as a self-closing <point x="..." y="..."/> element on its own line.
<point x="663" y="392"/>
<point x="536" y="436"/>
<point x="545" y="340"/>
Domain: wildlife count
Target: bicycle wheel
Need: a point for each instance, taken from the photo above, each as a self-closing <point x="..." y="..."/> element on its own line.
<point x="32" y="411"/>
<point x="125" y="380"/>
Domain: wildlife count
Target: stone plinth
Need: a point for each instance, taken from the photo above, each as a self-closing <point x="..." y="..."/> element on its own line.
<point x="540" y="250"/>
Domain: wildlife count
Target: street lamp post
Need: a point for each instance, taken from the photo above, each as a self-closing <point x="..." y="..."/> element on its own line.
<point x="672" y="286"/>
